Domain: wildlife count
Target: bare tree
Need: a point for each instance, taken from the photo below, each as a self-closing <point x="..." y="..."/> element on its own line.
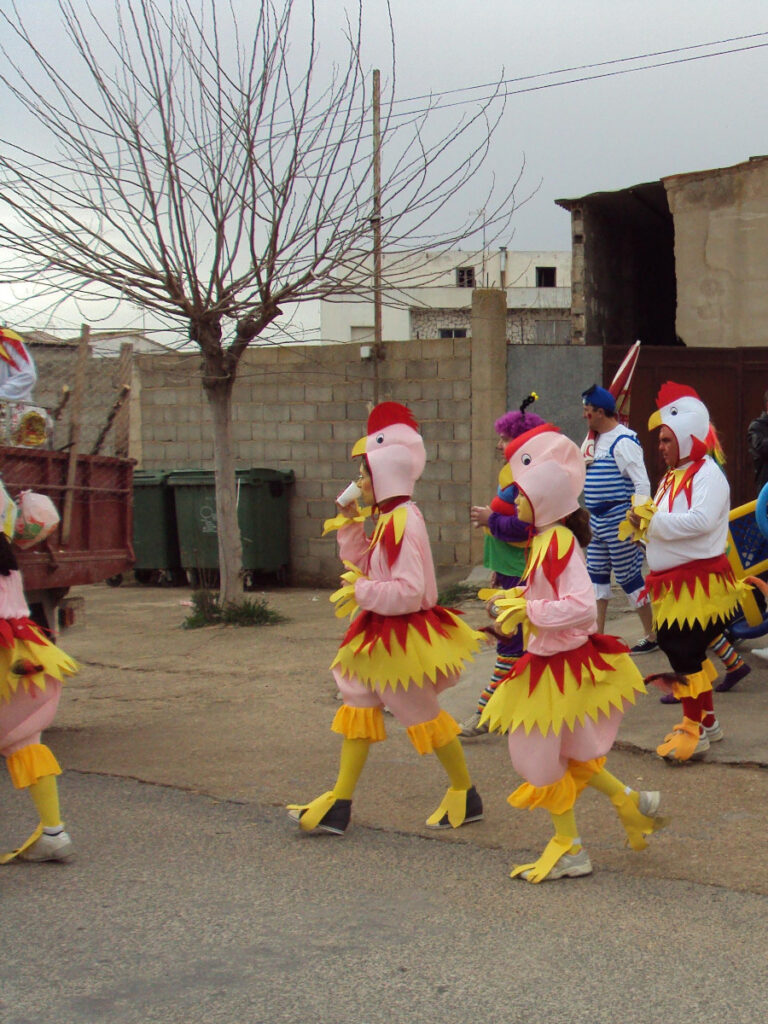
<point x="200" y="162"/>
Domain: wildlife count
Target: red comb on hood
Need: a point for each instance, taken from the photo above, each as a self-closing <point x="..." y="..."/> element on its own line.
<point x="387" y="413"/>
<point x="670" y="392"/>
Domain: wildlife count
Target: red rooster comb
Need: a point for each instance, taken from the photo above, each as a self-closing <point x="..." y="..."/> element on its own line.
<point x="670" y="392"/>
<point x="387" y="413"/>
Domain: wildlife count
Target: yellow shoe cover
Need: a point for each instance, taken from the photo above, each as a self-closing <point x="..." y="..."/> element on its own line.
<point x="636" y="824"/>
<point x="538" y="871"/>
<point x="6" y="858"/>
<point x="682" y="743"/>
<point x="453" y="806"/>
<point x="310" y="815"/>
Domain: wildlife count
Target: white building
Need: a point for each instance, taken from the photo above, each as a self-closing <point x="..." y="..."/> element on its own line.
<point x="430" y="296"/>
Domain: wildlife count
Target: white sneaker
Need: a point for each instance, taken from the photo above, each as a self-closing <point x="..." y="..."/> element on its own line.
<point x="570" y="865"/>
<point x="47" y="847"/>
<point x="472" y="727"/>
<point x="714" y="733"/>
<point x="649" y="802"/>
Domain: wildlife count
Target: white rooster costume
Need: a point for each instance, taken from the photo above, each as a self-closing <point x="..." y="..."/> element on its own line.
<point x="691" y="584"/>
<point x="564" y="700"/>
<point x="402" y="649"/>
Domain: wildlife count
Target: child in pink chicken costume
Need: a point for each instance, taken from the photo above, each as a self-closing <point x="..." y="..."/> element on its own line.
<point x="31" y="673"/>
<point x="563" y="702"/>
<point x="402" y="649"/>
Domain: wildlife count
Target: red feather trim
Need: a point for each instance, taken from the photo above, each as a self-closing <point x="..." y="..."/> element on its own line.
<point x="19" y="629"/>
<point x="685" y="486"/>
<point x="387" y="539"/>
<point x="368" y="627"/>
<point x="387" y="413"/>
<point x="591" y="655"/>
<point x="703" y="569"/>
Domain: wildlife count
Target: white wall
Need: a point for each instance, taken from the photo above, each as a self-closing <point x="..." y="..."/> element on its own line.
<point x="429" y="282"/>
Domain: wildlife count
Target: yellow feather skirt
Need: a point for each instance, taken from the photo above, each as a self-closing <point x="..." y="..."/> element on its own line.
<point x="563" y="690"/>
<point x="406" y="650"/>
<point x="27" y="656"/>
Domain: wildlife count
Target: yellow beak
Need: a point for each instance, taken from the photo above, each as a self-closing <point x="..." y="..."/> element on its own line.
<point x="655" y="420"/>
<point x="359" y="448"/>
<point x="505" y="476"/>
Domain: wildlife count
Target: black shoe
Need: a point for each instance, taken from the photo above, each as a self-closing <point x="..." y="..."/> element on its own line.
<point x="644" y="646"/>
<point x="474" y="811"/>
<point x="334" y="820"/>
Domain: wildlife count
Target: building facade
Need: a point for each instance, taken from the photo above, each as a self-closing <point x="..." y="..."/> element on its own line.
<point x="430" y="296"/>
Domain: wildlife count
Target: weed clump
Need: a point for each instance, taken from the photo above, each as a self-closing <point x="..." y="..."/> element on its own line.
<point x="207" y="611"/>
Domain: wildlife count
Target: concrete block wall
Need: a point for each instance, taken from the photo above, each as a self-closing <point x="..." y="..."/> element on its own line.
<point x="302" y="408"/>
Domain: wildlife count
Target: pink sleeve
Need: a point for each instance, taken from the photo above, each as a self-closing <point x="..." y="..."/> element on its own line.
<point x="353" y="545"/>
<point x="575" y="608"/>
<point x="405" y="588"/>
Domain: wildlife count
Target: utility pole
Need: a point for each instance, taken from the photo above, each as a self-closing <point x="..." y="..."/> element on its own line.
<point x="376" y="224"/>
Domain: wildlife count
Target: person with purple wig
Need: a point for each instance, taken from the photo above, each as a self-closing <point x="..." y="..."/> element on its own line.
<point x="504" y="554"/>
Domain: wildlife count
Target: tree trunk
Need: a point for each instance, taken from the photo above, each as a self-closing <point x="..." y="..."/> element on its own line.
<point x="230" y="545"/>
<point x="218" y="380"/>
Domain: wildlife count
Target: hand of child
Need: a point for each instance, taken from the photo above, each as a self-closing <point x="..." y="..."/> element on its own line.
<point x="480" y="514"/>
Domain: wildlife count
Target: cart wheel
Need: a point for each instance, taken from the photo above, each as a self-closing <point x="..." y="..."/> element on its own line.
<point x="143" y="576"/>
<point x="115" y="581"/>
<point x="761" y="511"/>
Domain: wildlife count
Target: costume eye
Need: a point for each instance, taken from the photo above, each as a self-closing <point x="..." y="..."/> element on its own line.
<point x="673" y="411"/>
<point x="379" y="439"/>
<point x="526" y="459"/>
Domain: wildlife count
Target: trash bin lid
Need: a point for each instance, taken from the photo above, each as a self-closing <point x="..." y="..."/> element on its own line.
<point x="149" y="477"/>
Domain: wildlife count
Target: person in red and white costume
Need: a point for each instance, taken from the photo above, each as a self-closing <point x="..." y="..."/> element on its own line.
<point x="692" y="586"/>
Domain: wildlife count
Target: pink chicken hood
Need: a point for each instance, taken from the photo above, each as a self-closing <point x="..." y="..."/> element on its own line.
<point x="548" y="469"/>
<point x="394" y="449"/>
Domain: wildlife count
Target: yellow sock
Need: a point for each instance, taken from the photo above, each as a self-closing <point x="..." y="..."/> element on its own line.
<point x="608" y="784"/>
<point x="565" y="825"/>
<point x="354" y="754"/>
<point x="45" y="794"/>
<point x="451" y="757"/>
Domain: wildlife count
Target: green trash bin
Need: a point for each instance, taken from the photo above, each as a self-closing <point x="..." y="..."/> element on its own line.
<point x="262" y="512"/>
<point x="155" y="537"/>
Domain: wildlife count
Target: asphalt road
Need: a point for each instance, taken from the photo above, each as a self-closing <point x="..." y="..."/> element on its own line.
<point x="194" y="899"/>
<point x="182" y="908"/>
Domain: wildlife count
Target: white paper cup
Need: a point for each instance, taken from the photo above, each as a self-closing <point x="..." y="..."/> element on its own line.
<point x="348" y="495"/>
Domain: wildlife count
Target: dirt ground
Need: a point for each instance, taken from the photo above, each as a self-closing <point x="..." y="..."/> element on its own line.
<point x="243" y="714"/>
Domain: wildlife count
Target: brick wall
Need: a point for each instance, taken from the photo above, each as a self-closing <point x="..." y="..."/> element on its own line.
<point x="302" y="408"/>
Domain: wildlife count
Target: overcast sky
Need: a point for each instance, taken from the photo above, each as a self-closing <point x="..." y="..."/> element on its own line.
<point x="576" y="138"/>
<point x="603" y="134"/>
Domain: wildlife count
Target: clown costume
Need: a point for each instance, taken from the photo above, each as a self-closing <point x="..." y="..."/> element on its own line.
<point x="564" y="700"/>
<point x="402" y="649"/>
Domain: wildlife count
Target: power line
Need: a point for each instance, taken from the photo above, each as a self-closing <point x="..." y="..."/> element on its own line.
<point x="599" y="64"/>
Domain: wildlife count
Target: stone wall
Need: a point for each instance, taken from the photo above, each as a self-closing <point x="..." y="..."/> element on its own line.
<point x="721" y="256"/>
